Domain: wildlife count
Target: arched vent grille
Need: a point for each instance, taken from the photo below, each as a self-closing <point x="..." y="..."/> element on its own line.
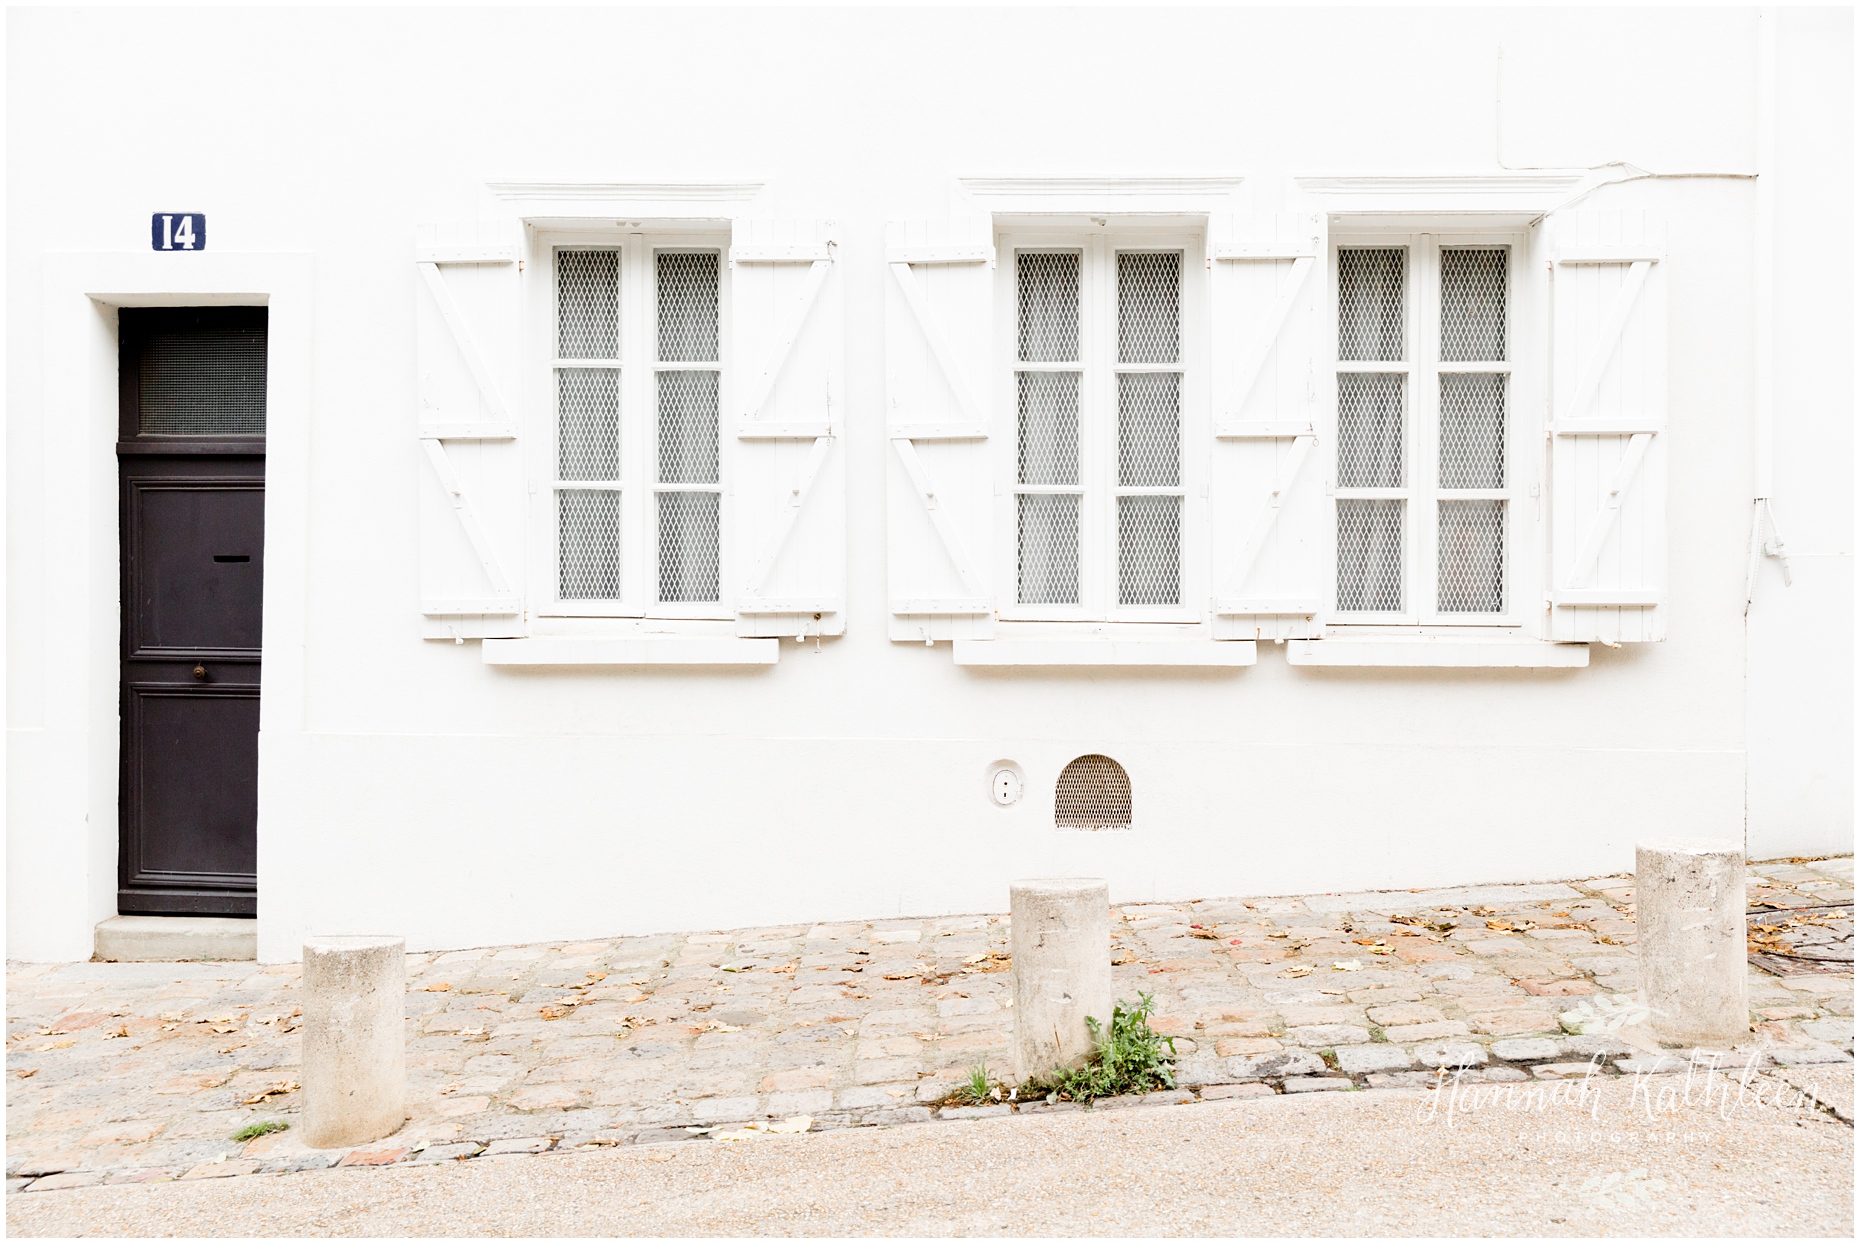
<point x="1094" y="793"/>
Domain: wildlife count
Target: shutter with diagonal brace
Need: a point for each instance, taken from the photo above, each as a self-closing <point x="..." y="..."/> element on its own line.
<point x="939" y="300"/>
<point x="1267" y="496"/>
<point x="1608" y="429"/>
<point x="472" y="494"/>
<point x="788" y="406"/>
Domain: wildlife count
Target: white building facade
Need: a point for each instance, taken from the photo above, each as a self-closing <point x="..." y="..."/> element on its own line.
<point x="734" y="468"/>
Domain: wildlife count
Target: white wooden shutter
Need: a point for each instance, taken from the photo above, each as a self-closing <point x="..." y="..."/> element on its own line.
<point x="788" y="405"/>
<point x="1608" y="429"/>
<point x="939" y="347"/>
<point x="472" y="488"/>
<point x="1266" y="284"/>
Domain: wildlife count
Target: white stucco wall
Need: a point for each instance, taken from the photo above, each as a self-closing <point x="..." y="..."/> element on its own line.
<point x="409" y="788"/>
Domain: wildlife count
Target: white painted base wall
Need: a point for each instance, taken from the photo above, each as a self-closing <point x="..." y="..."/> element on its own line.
<point x="409" y="788"/>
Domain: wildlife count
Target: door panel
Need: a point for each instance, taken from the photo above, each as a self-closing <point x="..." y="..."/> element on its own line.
<point x="198" y="566"/>
<point x="196" y="781"/>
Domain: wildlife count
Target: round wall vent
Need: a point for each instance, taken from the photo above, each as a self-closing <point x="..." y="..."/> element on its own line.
<point x="1093" y="793"/>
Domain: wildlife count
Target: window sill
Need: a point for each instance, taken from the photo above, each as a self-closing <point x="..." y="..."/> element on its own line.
<point x="1438" y="653"/>
<point x="1104" y="652"/>
<point x="657" y="650"/>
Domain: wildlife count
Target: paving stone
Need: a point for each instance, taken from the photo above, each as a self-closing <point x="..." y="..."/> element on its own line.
<point x="1592" y="1045"/>
<point x="1324" y="1035"/>
<point x="1426" y="1032"/>
<point x="1365" y="1058"/>
<point x="386" y="1156"/>
<point x="1835" y="1031"/>
<point x="1223" y="1092"/>
<point x="1526" y="1050"/>
<point x="974" y="1112"/>
<point x="64" y="1180"/>
<point x="222" y="1170"/>
<point x="1808" y="1057"/>
<point x="1403" y="1079"/>
<point x="518" y="1145"/>
<point x="1316" y="1084"/>
<point x="448" y="1153"/>
<point x="1170" y="1097"/>
<point x="1451" y="1054"/>
<point x="1568" y="1071"/>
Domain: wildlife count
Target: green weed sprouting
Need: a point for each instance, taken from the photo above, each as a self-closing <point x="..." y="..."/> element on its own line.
<point x="976" y="1090"/>
<point x="1131" y="1058"/>
<point x="255" y="1130"/>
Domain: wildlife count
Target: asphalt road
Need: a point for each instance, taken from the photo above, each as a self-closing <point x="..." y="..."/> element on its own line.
<point x="1387" y="1162"/>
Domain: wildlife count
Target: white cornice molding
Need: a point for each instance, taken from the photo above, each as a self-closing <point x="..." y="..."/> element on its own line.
<point x="567" y="200"/>
<point x="678" y="191"/>
<point x="1523" y="193"/>
<point x="1099" y="194"/>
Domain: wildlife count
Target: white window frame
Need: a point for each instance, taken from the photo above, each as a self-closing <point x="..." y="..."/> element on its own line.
<point x="1099" y="244"/>
<point x="1421" y="429"/>
<point x="638" y="365"/>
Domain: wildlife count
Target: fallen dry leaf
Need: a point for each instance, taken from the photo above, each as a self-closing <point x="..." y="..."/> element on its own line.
<point x="55" y="1045"/>
<point x="787" y="969"/>
<point x="278" y="1089"/>
<point x="1346" y="965"/>
<point x="1300" y="971"/>
<point x="439" y="987"/>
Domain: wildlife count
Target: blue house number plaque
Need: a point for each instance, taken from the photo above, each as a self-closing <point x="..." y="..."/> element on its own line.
<point x="178" y="231"/>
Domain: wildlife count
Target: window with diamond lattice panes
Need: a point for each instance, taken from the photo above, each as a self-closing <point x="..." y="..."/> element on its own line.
<point x="1098" y="386"/>
<point x="638" y="457"/>
<point x="1420" y="466"/>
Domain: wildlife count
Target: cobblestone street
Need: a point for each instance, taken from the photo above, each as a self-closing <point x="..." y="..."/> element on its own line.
<point x="124" y="1073"/>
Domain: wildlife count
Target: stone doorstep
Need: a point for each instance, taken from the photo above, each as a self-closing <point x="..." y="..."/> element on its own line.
<point x="175" y="939"/>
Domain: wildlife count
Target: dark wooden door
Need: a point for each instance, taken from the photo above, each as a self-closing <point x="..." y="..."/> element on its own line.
<point x="191" y="460"/>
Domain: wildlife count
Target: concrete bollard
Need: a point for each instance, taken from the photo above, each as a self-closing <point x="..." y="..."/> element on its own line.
<point x="1689" y="935"/>
<point x="355" y="1039"/>
<point x="1062" y="970"/>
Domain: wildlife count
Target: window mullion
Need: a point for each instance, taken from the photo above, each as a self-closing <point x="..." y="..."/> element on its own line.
<point x="1424" y="433"/>
<point x="635" y="418"/>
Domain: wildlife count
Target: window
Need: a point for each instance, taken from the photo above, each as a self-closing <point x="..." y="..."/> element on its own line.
<point x="1099" y="387"/>
<point x="1421" y="479"/>
<point x="638" y="469"/>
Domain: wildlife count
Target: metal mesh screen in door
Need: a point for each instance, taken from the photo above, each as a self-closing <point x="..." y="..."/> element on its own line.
<point x="1472" y="430"/>
<point x="1371" y="302"/>
<point x="1472" y="557"/>
<point x="688" y="529"/>
<point x="1149" y="550"/>
<point x="1369" y="429"/>
<point x="587" y="423"/>
<point x="1369" y="539"/>
<point x="687" y="427"/>
<point x="587" y="308"/>
<point x="1048" y="552"/>
<point x="1472" y="304"/>
<point x="687" y="307"/>
<point x="1049" y="305"/>
<point x="588" y="544"/>
<point x="1093" y="792"/>
<point x="1149" y="435"/>
<point x="1149" y="306"/>
<point x="202" y="381"/>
